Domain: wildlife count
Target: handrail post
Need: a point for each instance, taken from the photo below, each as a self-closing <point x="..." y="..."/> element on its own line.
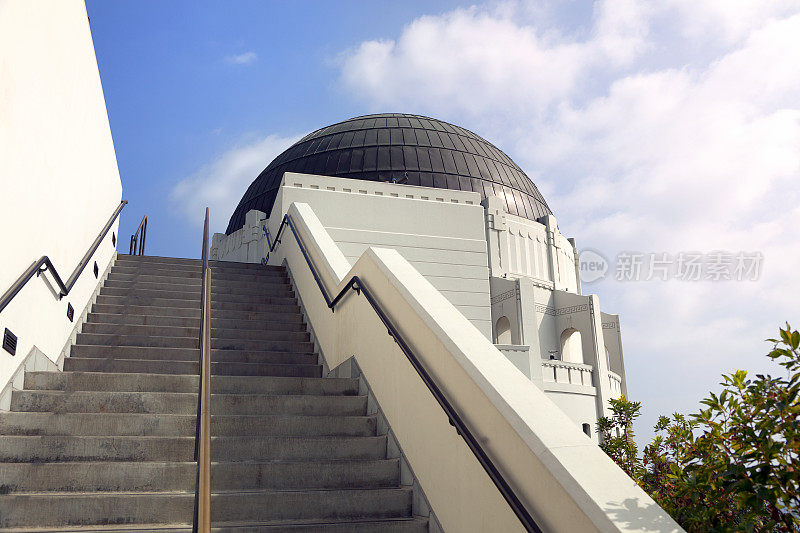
<point x="138" y="238"/>
<point x="202" y="511"/>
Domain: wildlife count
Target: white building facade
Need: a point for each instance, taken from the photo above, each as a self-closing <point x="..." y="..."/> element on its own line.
<point x="516" y="280"/>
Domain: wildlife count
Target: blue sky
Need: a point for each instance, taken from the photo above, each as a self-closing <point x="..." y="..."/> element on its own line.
<point x="176" y="95"/>
<point x="666" y="127"/>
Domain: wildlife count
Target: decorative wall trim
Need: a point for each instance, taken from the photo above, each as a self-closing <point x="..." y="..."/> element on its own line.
<point x="547" y="310"/>
<point x="504" y="296"/>
<point x="609" y="325"/>
<point x="572" y="309"/>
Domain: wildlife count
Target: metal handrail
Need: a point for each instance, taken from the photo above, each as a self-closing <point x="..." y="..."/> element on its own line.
<point x="356" y="284"/>
<point x="135" y="237"/>
<point x="202" y="447"/>
<point x="44" y="264"/>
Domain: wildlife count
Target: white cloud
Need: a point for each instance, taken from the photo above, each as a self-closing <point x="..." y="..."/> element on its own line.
<point x="243" y="59"/>
<point x="220" y="184"/>
<point x="657" y="127"/>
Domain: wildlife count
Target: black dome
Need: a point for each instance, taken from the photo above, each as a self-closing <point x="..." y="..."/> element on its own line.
<point x="411" y="149"/>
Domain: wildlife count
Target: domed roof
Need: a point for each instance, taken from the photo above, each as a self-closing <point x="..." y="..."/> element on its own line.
<point x="409" y="149"/>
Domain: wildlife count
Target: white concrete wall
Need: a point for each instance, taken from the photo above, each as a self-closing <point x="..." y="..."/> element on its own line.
<point x="612" y="337"/>
<point x="59" y="181"/>
<point x="578" y="405"/>
<point x="440" y="232"/>
<point x="519" y="247"/>
<point x="561" y="476"/>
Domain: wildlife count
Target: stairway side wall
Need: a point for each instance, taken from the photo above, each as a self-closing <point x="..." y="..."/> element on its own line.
<point x="560" y="474"/>
<point x="59" y="181"/>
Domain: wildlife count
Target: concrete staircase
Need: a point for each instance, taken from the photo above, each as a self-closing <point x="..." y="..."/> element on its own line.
<point x="108" y="444"/>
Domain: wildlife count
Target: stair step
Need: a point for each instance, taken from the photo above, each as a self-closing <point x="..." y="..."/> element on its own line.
<point x="104" y="339"/>
<point x="177" y="403"/>
<point x="88" y="508"/>
<point x="191" y="355"/>
<point x="62" y="448"/>
<point x="194" y="279"/>
<point x="147" y="310"/>
<point x="154" y="259"/>
<point x="194" y="332"/>
<point x="217" y="287"/>
<point x="273" y="385"/>
<point x="134" y="424"/>
<point x="100" y="424"/>
<point x="185" y="403"/>
<point x="273" y="302"/>
<point x="156" y="476"/>
<point x="138" y="271"/>
<point x="285" y="404"/>
<point x="98" y="476"/>
<point x="196" y="265"/>
<point x="58" y="448"/>
<point x="184" y="312"/>
<point x="96" y="508"/>
<point x="131" y="382"/>
<point x="318" y="504"/>
<point x="273" y="425"/>
<point x="216" y="323"/>
<point x="384" y="525"/>
<point x="108" y="381"/>
<point x="281" y="448"/>
<point x="305" y="475"/>
<point x="257" y="296"/>
<point x="161" y="366"/>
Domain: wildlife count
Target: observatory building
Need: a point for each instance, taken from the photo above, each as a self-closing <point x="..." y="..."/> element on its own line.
<point x="390" y="335"/>
<point x="470" y="221"/>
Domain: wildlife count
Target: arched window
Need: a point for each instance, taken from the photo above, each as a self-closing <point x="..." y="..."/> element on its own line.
<point x="502" y="330"/>
<point x="608" y="357"/>
<point x="571" y="346"/>
<point x="587" y="429"/>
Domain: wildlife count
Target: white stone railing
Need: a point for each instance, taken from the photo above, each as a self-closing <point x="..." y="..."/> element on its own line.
<point x="616" y="383"/>
<point x="555" y="371"/>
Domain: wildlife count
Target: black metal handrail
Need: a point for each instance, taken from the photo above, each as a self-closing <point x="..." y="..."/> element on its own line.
<point x="44" y="264"/>
<point x="202" y="442"/>
<point x="135" y="237"/>
<point x="356" y="284"/>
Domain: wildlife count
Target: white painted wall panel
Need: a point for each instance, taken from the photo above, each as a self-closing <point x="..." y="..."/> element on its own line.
<point x="59" y="181"/>
<point x="440" y="232"/>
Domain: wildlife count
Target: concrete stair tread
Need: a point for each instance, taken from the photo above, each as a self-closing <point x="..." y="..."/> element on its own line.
<point x="103" y="328"/>
<point x="225" y="356"/>
<point x="112" y="394"/>
<point x="127" y="528"/>
<point x="79" y="381"/>
<point x="111" y="347"/>
<point x="147" y="320"/>
<point x="145" y="341"/>
<point x="167" y="367"/>
<point x="69" y="494"/>
<point x="192" y="261"/>
<point x="291" y="314"/>
<point x="275" y="295"/>
<point x="414" y="523"/>
<point x="22" y="423"/>
<point x="190" y="271"/>
<point x="384" y="524"/>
